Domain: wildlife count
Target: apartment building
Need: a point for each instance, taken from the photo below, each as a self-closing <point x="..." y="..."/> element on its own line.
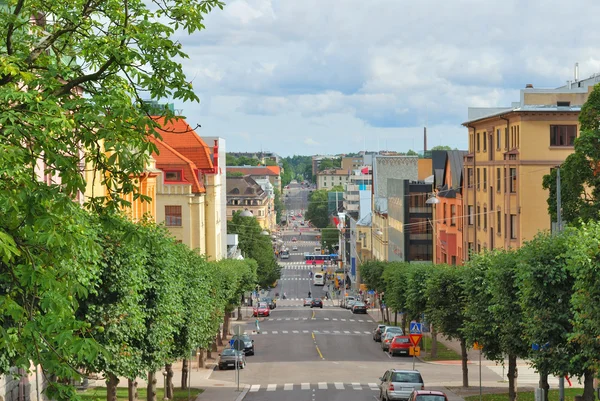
<point x="330" y="178"/>
<point x="271" y="173"/>
<point x="243" y="193"/>
<point x="510" y="150"/>
<point x="358" y="181"/>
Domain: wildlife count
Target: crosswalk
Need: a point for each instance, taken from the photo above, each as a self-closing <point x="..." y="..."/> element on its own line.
<point x="314" y="386"/>
<point x="336" y="332"/>
<point x="295" y="278"/>
<point x="295" y="265"/>
<point x="526" y="375"/>
<point x="287" y="319"/>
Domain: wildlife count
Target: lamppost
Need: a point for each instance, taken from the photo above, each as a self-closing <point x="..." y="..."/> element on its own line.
<point x="433" y="200"/>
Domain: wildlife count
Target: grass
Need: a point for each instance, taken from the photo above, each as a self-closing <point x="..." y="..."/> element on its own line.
<point x="443" y="353"/>
<point x="99" y="393"/>
<point x="570" y="394"/>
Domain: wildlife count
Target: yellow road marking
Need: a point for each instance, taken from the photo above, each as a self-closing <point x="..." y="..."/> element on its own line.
<point x="313" y="336"/>
<point x="313" y="315"/>
<point x="319" y="351"/>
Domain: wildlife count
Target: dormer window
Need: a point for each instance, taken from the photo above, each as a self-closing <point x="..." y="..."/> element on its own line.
<point x="173" y="176"/>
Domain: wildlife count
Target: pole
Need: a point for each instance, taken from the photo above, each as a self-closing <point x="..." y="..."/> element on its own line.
<point x="561" y="388"/>
<point x="558" y="201"/>
<point x="414" y="357"/>
<point x="480" y="389"/>
<point x="190" y="376"/>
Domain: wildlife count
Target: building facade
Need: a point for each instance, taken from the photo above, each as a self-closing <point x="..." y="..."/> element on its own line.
<point x="358" y="180"/>
<point x="271" y="173"/>
<point x="448" y="218"/>
<point x="352" y="163"/>
<point x="243" y="193"/>
<point x="328" y="179"/>
<point x="510" y="150"/>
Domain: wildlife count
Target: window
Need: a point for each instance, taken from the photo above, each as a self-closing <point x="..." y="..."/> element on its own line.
<point x="563" y="135"/>
<point x="469" y="178"/>
<point x="498" y="139"/>
<point x="444" y="214"/>
<point x="478" y="217"/>
<point x="498" y="221"/>
<point x="485" y="179"/>
<point x="478" y="143"/>
<point x="173" y="216"/>
<point x="470" y="215"/>
<point x="498" y="179"/>
<point x="173" y="176"/>
<point x="470" y="143"/>
<point x="478" y="179"/>
<point x="420" y="252"/>
<point x="506" y="138"/>
<point x="452" y="215"/>
<point x="453" y="262"/>
<point x="513" y="226"/>
<point x="504" y="179"/>
<point x="513" y="180"/>
<point x="485" y="218"/>
<point x="470" y="249"/>
<point x="485" y="136"/>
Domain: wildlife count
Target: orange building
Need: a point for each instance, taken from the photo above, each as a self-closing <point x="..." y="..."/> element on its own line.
<point x="448" y="212"/>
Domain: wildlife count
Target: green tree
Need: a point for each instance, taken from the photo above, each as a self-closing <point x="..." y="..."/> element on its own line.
<point x="395" y="275"/>
<point x="411" y="153"/>
<point x="278" y="204"/>
<point x="441" y="147"/>
<point x="371" y="274"/>
<point x="234" y="174"/>
<point x="582" y="262"/>
<point x="270" y="162"/>
<point x="330" y="236"/>
<point x="336" y="188"/>
<point x="327" y="164"/>
<point x="317" y="212"/>
<point x="580" y="181"/>
<point x="256" y="246"/>
<point x="445" y="306"/>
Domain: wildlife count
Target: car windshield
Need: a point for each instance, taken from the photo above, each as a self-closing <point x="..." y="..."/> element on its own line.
<point x="308" y="299"/>
<point x="393" y="329"/>
<point x="262" y="305"/>
<point x="359" y="304"/>
<point x="317" y="300"/>
<point x="228" y="352"/>
<point x="406" y="377"/>
<point x="430" y="397"/>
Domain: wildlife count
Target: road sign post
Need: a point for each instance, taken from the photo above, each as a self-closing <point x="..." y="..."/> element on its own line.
<point x="415" y="339"/>
<point x="238" y="345"/>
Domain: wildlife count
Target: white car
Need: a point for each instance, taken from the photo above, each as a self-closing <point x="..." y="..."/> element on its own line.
<point x="295" y="248"/>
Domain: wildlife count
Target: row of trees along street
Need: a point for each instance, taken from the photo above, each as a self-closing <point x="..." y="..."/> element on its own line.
<point x="82" y="288"/>
<point x="546" y="293"/>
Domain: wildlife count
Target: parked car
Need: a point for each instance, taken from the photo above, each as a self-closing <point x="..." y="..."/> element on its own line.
<point x="270" y="302"/>
<point x="427" y="395"/>
<point x="229" y="357"/>
<point x="350" y="304"/>
<point x="377" y="332"/>
<point x="395" y="329"/>
<point x="248" y="343"/>
<point x="316" y="303"/>
<point x="386" y="339"/>
<point x="307" y="302"/>
<point x="294" y="239"/>
<point x="262" y="309"/>
<point x="346" y="300"/>
<point x="359" y="307"/>
<point x="294" y="247"/>
<point x="400" y="345"/>
<point x="399" y="384"/>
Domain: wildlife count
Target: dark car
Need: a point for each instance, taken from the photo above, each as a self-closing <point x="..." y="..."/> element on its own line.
<point x="269" y="301"/>
<point x="377" y="332"/>
<point x="359" y="307"/>
<point x="229" y="357"/>
<point x="316" y="303"/>
<point x="248" y="343"/>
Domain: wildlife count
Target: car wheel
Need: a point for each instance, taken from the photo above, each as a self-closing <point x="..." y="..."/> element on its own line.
<point x="321" y="306"/>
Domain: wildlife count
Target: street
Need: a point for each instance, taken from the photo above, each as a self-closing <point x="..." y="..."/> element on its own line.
<point x="320" y="354"/>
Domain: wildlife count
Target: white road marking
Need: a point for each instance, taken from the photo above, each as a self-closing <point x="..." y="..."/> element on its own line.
<point x="297" y="318"/>
<point x="272" y="387"/>
<point x="352" y="320"/>
<point x="304" y="318"/>
<point x="287" y="318"/>
<point x="373" y="386"/>
<point x="326" y="318"/>
<point x="305" y="386"/>
<point x="339" y="386"/>
<point x="254" y="388"/>
<point x="305" y="331"/>
<point x="367" y="332"/>
<point x="322" y="386"/>
<point x="346" y="332"/>
<point x="361" y="320"/>
<point x="357" y="332"/>
<point x="295" y="331"/>
<point x="326" y="332"/>
<point x="274" y="332"/>
<point x="284" y="331"/>
<point x="265" y="332"/>
<point x="336" y="331"/>
<point x="356" y="386"/>
<point x="288" y="386"/>
<point x="335" y="318"/>
<point x="343" y="320"/>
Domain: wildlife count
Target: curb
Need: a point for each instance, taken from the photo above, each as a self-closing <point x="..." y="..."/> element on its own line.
<point x="243" y="393"/>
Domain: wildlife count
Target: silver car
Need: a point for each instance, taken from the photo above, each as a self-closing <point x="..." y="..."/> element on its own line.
<point x="398" y="384"/>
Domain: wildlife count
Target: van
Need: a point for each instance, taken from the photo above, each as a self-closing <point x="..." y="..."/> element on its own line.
<point x="317" y="250"/>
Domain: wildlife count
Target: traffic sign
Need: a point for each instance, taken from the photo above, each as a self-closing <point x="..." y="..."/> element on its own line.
<point x="477" y="346"/>
<point x="238" y="344"/>
<point x="231" y="342"/>
<point x="414" y="351"/>
<point x="415" y="328"/>
<point x="415" y="338"/>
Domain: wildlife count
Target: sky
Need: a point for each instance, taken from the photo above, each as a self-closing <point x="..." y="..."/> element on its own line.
<point x="337" y="76"/>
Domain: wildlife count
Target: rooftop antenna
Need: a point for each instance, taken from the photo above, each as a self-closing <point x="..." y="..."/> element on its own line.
<point x="425" y="138"/>
<point x="576" y="72"/>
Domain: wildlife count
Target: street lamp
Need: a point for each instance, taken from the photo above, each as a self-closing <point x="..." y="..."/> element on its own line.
<point x="379" y="232"/>
<point x="264" y="232"/>
<point x="433" y="200"/>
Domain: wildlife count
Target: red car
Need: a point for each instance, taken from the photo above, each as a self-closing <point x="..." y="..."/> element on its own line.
<point x="262" y="309"/>
<point x="399" y="345"/>
<point x="294" y="239"/>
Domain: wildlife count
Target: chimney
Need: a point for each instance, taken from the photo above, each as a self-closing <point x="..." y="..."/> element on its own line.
<point x="529" y="86"/>
<point x="424" y="139"/>
<point x="569" y="84"/>
<point x="576" y="72"/>
<point x="216" y="157"/>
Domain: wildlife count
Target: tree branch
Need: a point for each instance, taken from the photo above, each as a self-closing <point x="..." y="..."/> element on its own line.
<point x="66" y="88"/>
<point x="11" y="27"/>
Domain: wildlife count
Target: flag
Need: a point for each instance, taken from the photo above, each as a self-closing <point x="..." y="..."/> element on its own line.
<point x="365" y="170"/>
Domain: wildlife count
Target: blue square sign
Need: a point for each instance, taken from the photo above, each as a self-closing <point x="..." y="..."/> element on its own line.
<point x="415" y="328"/>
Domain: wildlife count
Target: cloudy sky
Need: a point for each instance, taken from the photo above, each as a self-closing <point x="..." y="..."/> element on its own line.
<point x="336" y="76"/>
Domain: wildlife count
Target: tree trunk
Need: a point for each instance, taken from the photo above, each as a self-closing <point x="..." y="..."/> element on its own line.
<point x="209" y="352"/>
<point x="387" y="314"/>
<point x="433" y="352"/>
<point x="170" y="374"/>
<point x="544" y="384"/>
<point x="201" y="358"/>
<point x="512" y="377"/>
<point x="225" y="326"/>
<point x="239" y="316"/>
<point x="218" y="340"/>
<point x="151" y="388"/>
<point x="111" y="387"/>
<point x="404" y="322"/>
<point x="588" y="385"/>
<point x="395" y="318"/>
<point x="214" y="346"/>
<point x="132" y="389"/>
<point x="184" y="373"/>
<point x="465" y="367"/>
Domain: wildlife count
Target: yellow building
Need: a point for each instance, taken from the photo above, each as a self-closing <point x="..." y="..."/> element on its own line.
<point x="380" y="234"/>
<point x="243" y="193"/>
<point x="510" y="150"/>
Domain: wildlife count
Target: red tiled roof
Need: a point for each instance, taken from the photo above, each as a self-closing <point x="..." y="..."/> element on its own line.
<point x="259" y="170"/>
<point x="169" y="159"/>
<point x="274" y="169"/>
<point x="181" y="137"/>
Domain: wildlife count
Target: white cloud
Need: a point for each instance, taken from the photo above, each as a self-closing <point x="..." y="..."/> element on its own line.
<point x="287" y="71"/>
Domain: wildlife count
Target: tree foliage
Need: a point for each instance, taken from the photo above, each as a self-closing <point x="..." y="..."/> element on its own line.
<point x="330" y="237"/>
<point x="371" y="274"/>
<point x="317" y="212"/>
<point x="327" y="164"/>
